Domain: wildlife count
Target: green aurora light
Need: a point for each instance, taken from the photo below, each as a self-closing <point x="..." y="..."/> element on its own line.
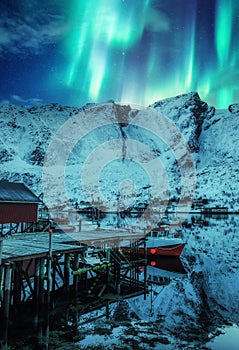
<point x="137" y="52"/>
<point x="104" y="35"/>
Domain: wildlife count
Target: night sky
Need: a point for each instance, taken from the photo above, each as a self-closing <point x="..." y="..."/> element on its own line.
<point x="134" y="51"/>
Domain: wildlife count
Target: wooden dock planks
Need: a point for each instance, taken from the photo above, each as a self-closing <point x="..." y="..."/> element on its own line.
<point x="31" y="245"/>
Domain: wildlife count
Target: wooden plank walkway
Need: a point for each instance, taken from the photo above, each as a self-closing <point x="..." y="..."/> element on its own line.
<point x="27" y="248"/>
<point x="32" y="245"/>
<point x="102" y="237"/>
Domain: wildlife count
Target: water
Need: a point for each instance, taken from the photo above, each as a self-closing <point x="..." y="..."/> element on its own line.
<point x="192" y="305"/>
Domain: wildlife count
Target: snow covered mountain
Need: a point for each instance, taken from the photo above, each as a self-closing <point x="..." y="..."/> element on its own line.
<point x="214" y="141"/>
<point x="27" y="133"/>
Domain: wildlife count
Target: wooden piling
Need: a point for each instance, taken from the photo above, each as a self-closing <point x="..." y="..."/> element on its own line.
<point x="76" y="277"/>
<point x="49" y="279"/>
<point x="49" y="267"/>
<point x="17" y="284"/>
<point x="37" y="281"/>
<point x="7" y="290"/>
<point x="67" y="271"/>
<point x="36" y="293"/>
<point x="1" y="249"/>
<point x="1" y="282"/>
<point x="6" y="300"/>
<point x="53" y="287"/>
<point x="42" y="280"/>
<point x="1" y="270"/>
<point x="108" y="268"/>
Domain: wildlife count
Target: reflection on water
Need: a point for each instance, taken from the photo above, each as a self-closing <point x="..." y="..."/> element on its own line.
<point x="172" y="264"/>
<point x="190" y="302"/>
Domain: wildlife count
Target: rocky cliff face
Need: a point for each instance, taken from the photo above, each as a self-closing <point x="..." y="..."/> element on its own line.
<point x="26" y="134"/>
<point x="188" y="111"/>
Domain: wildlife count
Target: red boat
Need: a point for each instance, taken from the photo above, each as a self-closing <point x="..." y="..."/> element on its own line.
<point x="160" y="243"/>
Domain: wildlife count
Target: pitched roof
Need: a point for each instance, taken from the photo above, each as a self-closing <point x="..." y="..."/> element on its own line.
<point x="16" y="192"/>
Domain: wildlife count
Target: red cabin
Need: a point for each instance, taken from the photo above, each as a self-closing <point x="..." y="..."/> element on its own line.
<point x="17" y="203"/>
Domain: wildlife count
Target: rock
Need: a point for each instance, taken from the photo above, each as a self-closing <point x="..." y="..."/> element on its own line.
<point x="234" y="108"/>
<point x="188" y="111"/>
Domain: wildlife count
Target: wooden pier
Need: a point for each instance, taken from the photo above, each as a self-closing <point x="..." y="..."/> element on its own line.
<point x="34" y="267"/>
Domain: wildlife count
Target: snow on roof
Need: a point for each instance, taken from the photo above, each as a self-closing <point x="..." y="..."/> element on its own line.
<point x="16" y="192"/>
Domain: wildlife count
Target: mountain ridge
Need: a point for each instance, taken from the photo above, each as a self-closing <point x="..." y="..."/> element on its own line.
<point x="211" y="135"/>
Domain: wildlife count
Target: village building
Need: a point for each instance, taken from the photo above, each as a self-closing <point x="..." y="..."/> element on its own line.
<point x="18" y="207"/>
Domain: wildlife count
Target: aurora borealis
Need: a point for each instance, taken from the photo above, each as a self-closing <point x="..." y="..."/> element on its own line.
<point x="79" y="51"/>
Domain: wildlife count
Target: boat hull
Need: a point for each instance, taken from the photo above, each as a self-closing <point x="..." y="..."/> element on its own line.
<point x="167" y="250"/>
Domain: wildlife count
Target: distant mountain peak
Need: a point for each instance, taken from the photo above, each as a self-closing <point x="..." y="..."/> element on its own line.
<point x="188" y="111"/>
<point x="182" y="98"/>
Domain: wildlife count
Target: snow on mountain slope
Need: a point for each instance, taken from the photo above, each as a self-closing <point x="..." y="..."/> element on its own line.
<point x="214" y="142"/>
<point x="26" y="134"/>
<point x="218" y="168"/>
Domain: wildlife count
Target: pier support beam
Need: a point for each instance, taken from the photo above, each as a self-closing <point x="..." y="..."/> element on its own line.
<point x="37" y="280"/>
<point x="41" y="281"/>
<point x="54" y="262"/>
<point x="1" y="270"/>
<point x="1" y="249"/>
<point x="67" y="271"/>
<point x="7" y="290"/>
<point x="49" y="279"/>
<point x="17" y="284"/>
<point x="36" y="293"/>
<point x="1" y="283"/>
<point x="49" y="268"/>
<point x="76" y="277"/>
<point x="6" y="300"/>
